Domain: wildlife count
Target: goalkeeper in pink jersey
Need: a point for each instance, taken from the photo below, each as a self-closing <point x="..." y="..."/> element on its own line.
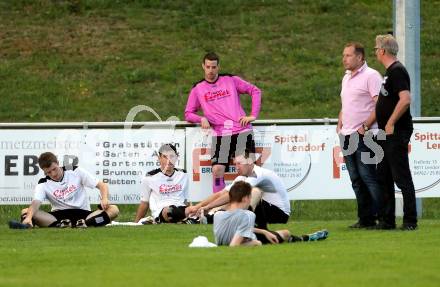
<point x="218" y="96"/>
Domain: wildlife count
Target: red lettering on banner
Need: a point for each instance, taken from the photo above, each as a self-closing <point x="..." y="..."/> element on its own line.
<point x="198" y="163"/>
<point x="337" y="160"/>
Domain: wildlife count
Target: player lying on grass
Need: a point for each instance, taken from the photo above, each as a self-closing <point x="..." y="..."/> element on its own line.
<point x="269" y="200"/>
<point x="165" y="190"/>
<point x="235" y="227"/>
<point x="64" y="188"/>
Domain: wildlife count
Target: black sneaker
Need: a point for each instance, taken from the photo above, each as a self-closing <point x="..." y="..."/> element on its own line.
<point x="65" y="223"/>
<point x="408" y="226"/>
<point x="385" y="226"/>
<point x="13" y="224"/>
<point x="81" y="223"/>
<point x="190" y="220"/>
<point x="359" y="225"/>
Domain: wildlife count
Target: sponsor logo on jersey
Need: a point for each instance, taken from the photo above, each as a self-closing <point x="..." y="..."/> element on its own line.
<point x="212" y="96"/>
<point x="170" y="188"/>
<point x="65" y="192"/>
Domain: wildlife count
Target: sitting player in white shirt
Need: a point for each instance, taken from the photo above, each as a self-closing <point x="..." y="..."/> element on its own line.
<point x="270" y="201"/>
<point x="165" y="190"/>
<point x="64" y="188"/>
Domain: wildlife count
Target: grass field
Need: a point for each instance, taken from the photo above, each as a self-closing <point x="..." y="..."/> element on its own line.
<point x="93" y="60"/>
<point x="159" y="256"/>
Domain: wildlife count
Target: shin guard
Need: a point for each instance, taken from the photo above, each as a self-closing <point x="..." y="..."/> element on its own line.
<point x="100" y="219"/>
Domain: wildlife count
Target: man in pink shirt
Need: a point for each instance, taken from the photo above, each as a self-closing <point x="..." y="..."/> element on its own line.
<point x="360" y="89"/>
<point x="218" y="96"/>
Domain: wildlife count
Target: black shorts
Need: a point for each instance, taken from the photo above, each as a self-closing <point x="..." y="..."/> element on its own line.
<point x="268" y="213"/>
<point x="177" y="213"/>
<point x="226" y="147"/>
<point x="264" y="240"/>
<point x="72" y="214"/>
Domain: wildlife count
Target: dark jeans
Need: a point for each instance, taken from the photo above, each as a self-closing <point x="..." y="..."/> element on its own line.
<point x="394" y="168"/>
<point x="363" y="180"/>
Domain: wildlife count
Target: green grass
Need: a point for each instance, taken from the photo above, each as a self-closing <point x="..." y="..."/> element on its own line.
<point x="158" y="256"/>
<point x="302" y="210"/>
<point x="84" y="60"/>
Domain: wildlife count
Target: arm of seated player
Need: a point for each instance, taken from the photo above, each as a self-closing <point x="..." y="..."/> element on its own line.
<point x="193" y="209"/>
<point x="141" y="211"/>
<point x="270" y="236"/>
<point x="188" y="210"/>
<point x="34" y="207"/>
<point x="222" y="199"/>
<point x="103" y="189"/>
<point x="238" y="240"/>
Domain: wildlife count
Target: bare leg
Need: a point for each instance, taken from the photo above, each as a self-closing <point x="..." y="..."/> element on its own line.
<point x="41" y="218"/>
<point x="112" y="212"/>
<point x="285" y="234"/>
<point x="257" y="194"/>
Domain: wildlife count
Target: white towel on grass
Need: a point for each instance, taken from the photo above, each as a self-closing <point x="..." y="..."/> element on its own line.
<point x="201" y="241"/>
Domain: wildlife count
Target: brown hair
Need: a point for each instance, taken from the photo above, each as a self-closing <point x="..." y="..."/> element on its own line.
<point x="211" y="56"/>
<point x="358" y="48"/>
<point x="46" y="159"/>
<point x="239" y="190"/>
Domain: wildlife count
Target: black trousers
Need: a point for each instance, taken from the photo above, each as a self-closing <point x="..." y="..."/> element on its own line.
<point x="267" y="213"/>
<point x="394" y="168"/>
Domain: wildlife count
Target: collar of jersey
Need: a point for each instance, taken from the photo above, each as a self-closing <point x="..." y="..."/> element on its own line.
<point x="174" y="170"/>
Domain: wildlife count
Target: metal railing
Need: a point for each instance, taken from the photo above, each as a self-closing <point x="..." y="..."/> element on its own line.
<point x="180" y="124"/>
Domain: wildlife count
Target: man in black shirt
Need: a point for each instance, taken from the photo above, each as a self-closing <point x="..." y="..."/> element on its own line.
<point x="394" y="117"/>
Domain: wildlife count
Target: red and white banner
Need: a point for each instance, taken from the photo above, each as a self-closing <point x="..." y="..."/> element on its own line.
<point x="309" y="160"/>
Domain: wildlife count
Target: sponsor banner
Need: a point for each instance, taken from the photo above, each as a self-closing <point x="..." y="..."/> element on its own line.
<point x="310" y="161"/>
<point x="424" y="159"/>
<point x="119" y="157"/>
<point x="307" y="158"/>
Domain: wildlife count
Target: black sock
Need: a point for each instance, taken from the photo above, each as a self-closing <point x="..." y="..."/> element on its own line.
<point x="54" y="224"/>
<point x="100" y="219"/>
<point x="210" y="218"/>
<point x="294" y="238"/>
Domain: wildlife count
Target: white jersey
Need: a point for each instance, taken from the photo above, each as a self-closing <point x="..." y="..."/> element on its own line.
<point x="274" y="190"/>
<point x="161" y="190"/>
<point x="69" y="192"/>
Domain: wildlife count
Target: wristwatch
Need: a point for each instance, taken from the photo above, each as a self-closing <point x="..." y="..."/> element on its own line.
<point x="366" y="128"/>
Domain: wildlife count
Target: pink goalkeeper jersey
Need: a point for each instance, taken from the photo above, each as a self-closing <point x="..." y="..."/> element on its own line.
<point x="220" y="103"/>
